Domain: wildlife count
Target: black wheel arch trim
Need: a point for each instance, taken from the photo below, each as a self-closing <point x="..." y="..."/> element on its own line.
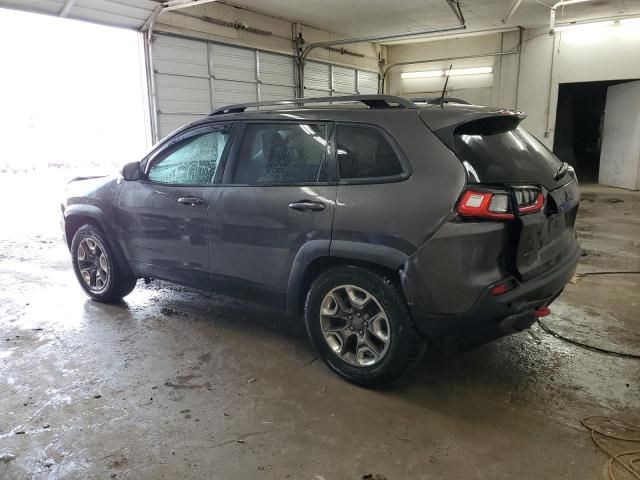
<point x="98" y="215"/>
<point x="382" y="255"/>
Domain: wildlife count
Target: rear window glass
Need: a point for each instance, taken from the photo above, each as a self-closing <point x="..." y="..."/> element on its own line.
<point x="500" y="152"/>
<point x="364" y="153"/>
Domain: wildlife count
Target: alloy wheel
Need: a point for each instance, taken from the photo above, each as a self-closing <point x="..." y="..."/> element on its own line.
<point x="354" y="325"/>
<point x="93" y="264"/>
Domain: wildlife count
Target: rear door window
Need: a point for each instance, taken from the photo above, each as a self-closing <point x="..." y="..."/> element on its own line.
<point x="364" y="153"/>
<point x="285" y="153"/>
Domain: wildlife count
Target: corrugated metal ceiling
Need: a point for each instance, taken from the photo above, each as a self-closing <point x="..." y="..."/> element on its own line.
<point x="119" y="13"/>
<point x="351" y="18"/>
<point x="354" y="18"/>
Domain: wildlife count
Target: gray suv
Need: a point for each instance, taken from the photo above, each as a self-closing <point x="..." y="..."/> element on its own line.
<point x="382" y="222"/>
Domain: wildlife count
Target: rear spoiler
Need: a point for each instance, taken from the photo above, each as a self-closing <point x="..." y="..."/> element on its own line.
<point x="436" y="118"/>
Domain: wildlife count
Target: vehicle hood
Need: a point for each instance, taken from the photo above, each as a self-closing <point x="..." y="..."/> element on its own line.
<point x="89" y="189"/>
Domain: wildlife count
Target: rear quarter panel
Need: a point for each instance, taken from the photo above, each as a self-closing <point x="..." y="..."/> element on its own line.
<point x="400" y="215"/>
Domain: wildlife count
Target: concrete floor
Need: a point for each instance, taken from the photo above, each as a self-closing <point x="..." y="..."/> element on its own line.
<point x="177" y="383"/>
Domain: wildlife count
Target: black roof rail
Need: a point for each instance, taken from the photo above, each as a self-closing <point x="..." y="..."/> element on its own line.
<point x="371" y="101"/>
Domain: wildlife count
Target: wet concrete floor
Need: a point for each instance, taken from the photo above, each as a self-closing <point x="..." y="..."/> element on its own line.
<point x="176" y="383"/>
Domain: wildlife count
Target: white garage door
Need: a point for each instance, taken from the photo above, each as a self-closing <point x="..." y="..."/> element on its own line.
<point x="193" y="77"/>
<point x="323" y="80"/>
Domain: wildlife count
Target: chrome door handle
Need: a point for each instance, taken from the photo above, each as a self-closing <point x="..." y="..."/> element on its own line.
<point x="191" y="201"/>
<point x="306" y="206"/>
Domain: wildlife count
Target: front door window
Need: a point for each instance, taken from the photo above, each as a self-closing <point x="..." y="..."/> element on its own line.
<point x="193" y="161"/>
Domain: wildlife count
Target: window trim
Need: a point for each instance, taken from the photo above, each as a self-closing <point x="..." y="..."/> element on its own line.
<point x="233" y="158"/>
<point x="173" y="143"/>
<point x="407" y="171"/>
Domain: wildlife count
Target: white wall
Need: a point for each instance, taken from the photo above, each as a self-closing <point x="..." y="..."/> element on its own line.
<point x="487" y="89"/>
<point x="610" y="53"/>
<point x="280" y="39"/>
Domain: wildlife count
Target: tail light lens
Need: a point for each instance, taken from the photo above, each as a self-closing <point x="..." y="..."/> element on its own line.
<point x="485" y="205"/>
<point x="498" y="205"/>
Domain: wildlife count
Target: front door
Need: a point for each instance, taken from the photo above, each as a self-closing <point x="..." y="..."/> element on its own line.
<point x="164" y="216"/>
<point x="276" y="201"/>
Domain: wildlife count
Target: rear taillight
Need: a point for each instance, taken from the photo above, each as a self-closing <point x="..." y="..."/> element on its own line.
<point x="485" y="205"/>
<point x="529" y="199"/>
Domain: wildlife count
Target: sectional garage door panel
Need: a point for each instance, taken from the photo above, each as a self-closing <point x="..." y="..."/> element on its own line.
<point x="315" y="93"/>
<point x="226" y="92"/>
<point x="232" y="63"/>
<point x="317" y="78"/>
<point x="367" y="82"/>
<point x="234" y="72"/>
<point x="178" y="94"/>
<point x="182" y="83"/>
<point x="322" y="80"/>
<point x="173" y="55"/>
<point x="344" y="80"/>
<point x="193" y="77"/>
<point x="276" y="69"/>
<point x="275" y="92"/>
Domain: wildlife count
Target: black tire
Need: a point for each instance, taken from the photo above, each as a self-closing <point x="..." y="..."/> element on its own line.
<point x="117" y="285"/>
<point x="405" y="346"/>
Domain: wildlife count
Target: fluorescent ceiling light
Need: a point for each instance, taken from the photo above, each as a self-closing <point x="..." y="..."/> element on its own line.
<point x="453" y="72"/>
<point x="427" y="74"/>
<point x="468" y="71"/>
<point x="575" y="26"/>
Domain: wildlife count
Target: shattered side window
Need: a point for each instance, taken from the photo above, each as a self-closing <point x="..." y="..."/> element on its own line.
<point x="194" y="161"/>
<point x="282" y="154"/>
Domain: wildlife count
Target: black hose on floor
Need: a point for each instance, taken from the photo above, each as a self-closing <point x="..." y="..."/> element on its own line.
<point x="584" y="345"/>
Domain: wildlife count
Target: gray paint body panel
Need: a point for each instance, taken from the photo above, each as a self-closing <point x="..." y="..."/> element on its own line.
<point x="256" y="237"/>
<point x="246" y="239"/>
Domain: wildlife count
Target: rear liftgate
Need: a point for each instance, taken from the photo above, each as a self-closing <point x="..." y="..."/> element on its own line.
<point x="514" y="178"/>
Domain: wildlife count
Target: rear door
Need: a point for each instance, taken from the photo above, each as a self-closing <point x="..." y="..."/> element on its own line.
<point x="497" y="152"/>
<point x="276" y="202"/>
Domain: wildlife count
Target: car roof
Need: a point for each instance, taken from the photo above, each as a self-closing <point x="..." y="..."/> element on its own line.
<point x="434" y="115"/>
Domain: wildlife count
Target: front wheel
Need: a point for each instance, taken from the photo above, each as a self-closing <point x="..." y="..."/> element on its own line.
<point x="95" y="267"/>
<point x="359" y="323"/>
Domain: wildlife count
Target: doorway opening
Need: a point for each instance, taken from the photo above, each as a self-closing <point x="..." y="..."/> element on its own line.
<point x="579" y="126"/>
<point x="72" y="96"/>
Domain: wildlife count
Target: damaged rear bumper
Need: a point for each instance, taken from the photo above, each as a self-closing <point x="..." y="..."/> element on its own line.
<point x="460" y="303"/>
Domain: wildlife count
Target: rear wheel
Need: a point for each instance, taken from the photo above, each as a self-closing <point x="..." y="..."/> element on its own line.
<point x="95" y="267"/>
<point x="359" y="323"/>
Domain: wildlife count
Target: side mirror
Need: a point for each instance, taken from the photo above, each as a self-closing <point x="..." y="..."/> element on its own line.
<point x="131" y="171"/>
